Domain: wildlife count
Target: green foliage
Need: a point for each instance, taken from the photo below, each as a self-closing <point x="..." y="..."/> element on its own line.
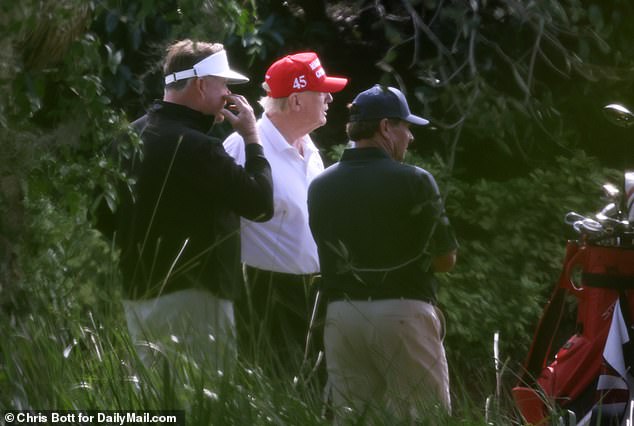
<point x="90" y="364"/>
<point x="524" y="80"/>
<point x="58" y="121"/>
<point x="135" y="34"/>
<point x="85" y="361"/>
<point x="266" y="38"/>
<point x="506" y="79"/>
<point x="512" y="241"/>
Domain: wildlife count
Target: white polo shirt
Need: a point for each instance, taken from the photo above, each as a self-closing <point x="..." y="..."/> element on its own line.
<point x="284" y="243"/>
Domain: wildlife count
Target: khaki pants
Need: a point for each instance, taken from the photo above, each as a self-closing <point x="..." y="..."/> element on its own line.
<point x="190" y="323"/>
<point x="386" y="355"/>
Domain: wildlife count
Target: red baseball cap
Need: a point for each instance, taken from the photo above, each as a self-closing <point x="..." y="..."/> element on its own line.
<point x="299" y="73"/>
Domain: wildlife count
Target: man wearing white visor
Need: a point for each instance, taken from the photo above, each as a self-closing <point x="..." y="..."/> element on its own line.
<point x="178" y="231"/>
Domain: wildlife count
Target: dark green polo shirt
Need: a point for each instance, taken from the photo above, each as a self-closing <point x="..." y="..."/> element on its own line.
<point x="377" y="224"/>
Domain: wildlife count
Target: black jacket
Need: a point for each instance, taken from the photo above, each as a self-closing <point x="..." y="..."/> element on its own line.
<point x="180" y="226"/>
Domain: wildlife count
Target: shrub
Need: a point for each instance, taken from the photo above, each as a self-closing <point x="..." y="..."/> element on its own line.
<point x="512" y="241"/>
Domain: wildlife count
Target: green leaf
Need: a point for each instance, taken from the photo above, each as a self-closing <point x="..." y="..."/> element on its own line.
<point x="112" y="21"/>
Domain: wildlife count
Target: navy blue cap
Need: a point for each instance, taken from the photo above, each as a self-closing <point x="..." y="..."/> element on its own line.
<point x="381" y="102"/>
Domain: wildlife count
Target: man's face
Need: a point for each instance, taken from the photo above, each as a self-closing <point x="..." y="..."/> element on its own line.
<point x="400" y="138"/>
<point x="315" y="107"/>
<point x="213" y="91"/>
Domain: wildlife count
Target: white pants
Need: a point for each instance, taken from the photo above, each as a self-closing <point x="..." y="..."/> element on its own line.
<point x="386" y="355"/>
<point x="189" y="323"/>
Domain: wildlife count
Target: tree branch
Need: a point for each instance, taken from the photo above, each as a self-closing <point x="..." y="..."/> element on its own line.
<point x="418" y="21"/>
<point x="531" y="66"/>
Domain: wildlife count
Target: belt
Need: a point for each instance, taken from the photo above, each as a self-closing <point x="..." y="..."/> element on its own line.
<point x="344" y="297"/>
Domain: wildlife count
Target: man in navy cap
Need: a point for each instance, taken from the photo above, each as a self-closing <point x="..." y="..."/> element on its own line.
<point x="382" y="233"/>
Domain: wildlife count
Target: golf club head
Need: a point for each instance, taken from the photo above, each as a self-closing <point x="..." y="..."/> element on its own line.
<point x="619" y="115"/>
<point x="611" y="192"/>
<point x="572" y="217"/>
<point x="608" y="212"/>
<point x="589" y="227"/>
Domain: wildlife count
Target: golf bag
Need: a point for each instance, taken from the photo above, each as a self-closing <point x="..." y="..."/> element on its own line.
<point x="589" y="375"/>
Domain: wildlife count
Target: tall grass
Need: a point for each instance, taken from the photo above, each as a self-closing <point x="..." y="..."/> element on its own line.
<point x="51" y="362"/>
<point x="84" y="361"/>
<point x="64" y="345"/>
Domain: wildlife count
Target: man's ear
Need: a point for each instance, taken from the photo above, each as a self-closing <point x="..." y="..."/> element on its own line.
<point x="384" y="127"/>
<point x="196" y="84"/>
<point x="294" y="102"/>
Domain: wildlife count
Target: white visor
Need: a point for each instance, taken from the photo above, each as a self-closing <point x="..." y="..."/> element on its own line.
<point x="216" y="65"/>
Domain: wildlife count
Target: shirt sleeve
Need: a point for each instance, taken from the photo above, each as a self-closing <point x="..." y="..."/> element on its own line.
<point x="249" y="190"/>
<point x="443" y="239"/>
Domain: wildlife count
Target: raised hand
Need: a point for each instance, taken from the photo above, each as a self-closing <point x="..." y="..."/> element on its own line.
<point x="239" y="113"/>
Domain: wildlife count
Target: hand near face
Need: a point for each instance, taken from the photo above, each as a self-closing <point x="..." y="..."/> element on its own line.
<point x="239" y="113"/>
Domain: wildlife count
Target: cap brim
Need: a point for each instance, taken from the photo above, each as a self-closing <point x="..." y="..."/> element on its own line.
<point x="414" y="119"/>
<point x="332" y="84"/>
<point x="232" y="77"/>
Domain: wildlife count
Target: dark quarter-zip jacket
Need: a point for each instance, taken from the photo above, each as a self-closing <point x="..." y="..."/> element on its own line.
<point x="179" y="228"/>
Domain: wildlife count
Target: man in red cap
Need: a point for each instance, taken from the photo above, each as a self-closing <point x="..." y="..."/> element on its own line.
<point x="280" y="255"/>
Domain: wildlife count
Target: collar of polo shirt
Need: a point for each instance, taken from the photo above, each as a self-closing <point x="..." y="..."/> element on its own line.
<point x="215" y="65"/>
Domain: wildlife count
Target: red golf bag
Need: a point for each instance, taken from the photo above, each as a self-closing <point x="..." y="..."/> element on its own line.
<point x="568" y="379"/>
